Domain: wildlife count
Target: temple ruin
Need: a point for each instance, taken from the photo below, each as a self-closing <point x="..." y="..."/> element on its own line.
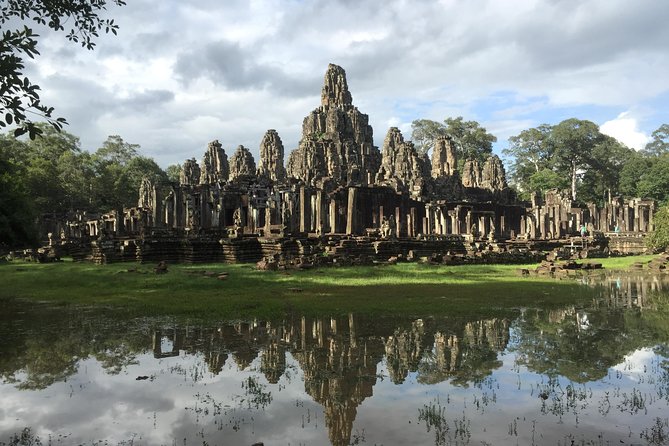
<point x="341" y="198"/>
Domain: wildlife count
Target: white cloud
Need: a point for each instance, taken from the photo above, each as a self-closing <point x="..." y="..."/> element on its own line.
<point x="624" y="128"/>
<point x="236" y="68"/>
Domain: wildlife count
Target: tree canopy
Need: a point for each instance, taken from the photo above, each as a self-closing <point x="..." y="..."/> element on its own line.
<point x="472" y="140"/>
<point x="19" y="97"/>
<point x="660" y="142"/>
<point x="574" y="155"/>
<point x="52" y="174"/>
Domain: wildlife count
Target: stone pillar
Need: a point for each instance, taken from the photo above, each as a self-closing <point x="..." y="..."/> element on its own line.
<point x="255" y="219"/>
<point x="318" y="214"/>
<point x="626" y="218"/>
<point x="412" y="225"/>
<point x="430" y="218"/>
<point x="468" y="221"/>
<point x="444" y="223"/>
<point x="305" y="208"/>
<point x="179" y="213"/>
<point x="268" y="221"/>
<point x="398" y="222"/>
<point x="333" y="217"/>
<point x="351" y="217"/>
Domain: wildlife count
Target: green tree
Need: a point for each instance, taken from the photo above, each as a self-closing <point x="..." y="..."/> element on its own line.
<point x="574" y="140"/>
<point x="424" y="132"/>
<point x="115" y="150"/>
<point x="546" y="179"/>
<point x="475" y="141"/>
<point x="76" y="174"/>
<point x="173" y="172"/>
<point x="660" y="143"/>
<point x="472" y="140"/>
<point x="119" y="172"/>
<point x="602" y="175"/>
<point x="19" y="97"/>
<point x="654" y="183"/>
<point x="659" y="238"/>
<point x="42" y="161"/>
<point x="17" y="213"/>
<point x="531" y="153"/>
<point x="631" y="173"/>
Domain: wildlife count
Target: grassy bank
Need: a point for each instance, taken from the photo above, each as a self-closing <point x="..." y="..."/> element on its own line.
<point x="408" y="289"/>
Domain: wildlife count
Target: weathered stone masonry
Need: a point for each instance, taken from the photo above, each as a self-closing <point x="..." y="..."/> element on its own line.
<point x="339" y="193"/>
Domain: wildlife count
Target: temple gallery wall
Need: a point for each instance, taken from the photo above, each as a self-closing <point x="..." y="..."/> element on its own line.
<point x="338" y="197"/>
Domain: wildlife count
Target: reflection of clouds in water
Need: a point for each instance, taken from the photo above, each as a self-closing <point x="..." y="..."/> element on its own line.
<point x="639" y="362"/>
<point x="95" y="405"/>
<point x="474" y="368"/>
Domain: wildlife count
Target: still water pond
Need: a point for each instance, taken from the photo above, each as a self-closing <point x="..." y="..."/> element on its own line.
<point x="595" y="373"/>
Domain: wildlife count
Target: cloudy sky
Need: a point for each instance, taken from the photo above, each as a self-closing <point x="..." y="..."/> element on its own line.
<point x="182" y="73"/>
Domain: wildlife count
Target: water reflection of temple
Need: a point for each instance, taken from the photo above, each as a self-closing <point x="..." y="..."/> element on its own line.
<point x="340" y="357"/>
<point x="629" y="289"/>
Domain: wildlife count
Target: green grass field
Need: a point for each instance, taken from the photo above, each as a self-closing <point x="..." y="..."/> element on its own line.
<point x="407" y="289"/>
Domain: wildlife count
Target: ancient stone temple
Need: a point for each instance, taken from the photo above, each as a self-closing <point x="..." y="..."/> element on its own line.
<point x="271" y="157"/>
<point x="337" y="142"/>
<point x="340" y="197"/>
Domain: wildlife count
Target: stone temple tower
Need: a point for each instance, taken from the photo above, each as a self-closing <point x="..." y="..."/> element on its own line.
<point x="337" y="141"/>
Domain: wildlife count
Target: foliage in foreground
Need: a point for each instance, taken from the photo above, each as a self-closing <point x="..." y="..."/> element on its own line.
<point x="19" y="97"/>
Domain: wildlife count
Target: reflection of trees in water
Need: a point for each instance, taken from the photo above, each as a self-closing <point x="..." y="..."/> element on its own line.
<point x="582" y="344"/>
<point x="42" y="345"/>
<point x="340" y="356"/>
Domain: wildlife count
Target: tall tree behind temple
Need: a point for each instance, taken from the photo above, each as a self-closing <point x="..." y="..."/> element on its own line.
<point x="51" y="174"/>
<point x="531" y="164"/>
<point x="572" y="155"/>
<point x="659" y="145"/>
<point x="573" y="141"/>
<point x="119" y="172"/>
<point x="603" y="173"/>
<point x="472" y="140"/>
<point x="17" y="210"/>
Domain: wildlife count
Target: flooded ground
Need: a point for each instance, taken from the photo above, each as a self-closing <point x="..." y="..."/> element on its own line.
<point x="593" y="374"/>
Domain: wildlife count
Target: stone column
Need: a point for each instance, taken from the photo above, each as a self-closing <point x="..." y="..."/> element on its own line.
<point x="444" y="223"/>
<point x="351" y="217"/>
<point x="333" y="217"/>
<point x="305" y="208"/>
<point x="430" y="219"/>
<point x="398" y="222"/>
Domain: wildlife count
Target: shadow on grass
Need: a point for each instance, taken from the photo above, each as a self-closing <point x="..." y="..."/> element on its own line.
<point x="408" y="289"/>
